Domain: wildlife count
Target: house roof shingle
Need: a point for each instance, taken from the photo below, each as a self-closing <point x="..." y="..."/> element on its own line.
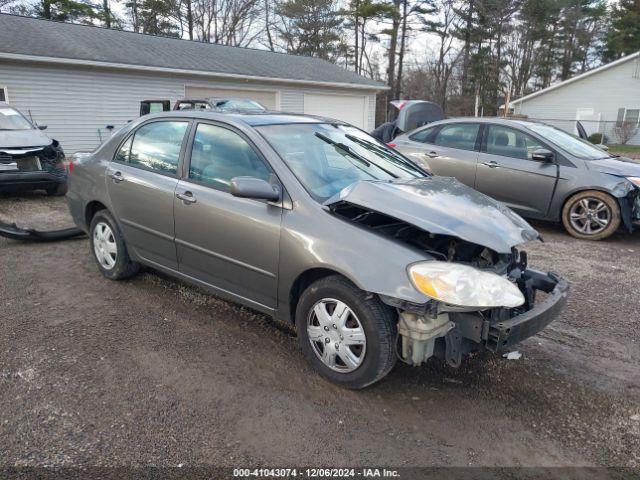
<point x="49" y="39"/>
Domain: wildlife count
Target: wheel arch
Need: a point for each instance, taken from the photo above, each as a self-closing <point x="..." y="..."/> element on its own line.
<point x="91" y="209"/>
<point x="302" y="281"/>
<point x="573" y="193"/>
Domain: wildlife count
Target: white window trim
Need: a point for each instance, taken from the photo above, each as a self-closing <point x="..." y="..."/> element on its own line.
<point x="6" y="93"/>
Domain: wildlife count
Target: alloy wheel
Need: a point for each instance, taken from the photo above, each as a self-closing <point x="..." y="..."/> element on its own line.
<point x="336" y="335"/>
<point x="104" y="246"/>
<point x="590" y="216"/>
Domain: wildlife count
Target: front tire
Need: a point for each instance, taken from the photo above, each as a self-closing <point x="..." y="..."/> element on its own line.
<point x="108" y="248"/>
<point x="591" y="215"/>
<point x="346" y="334"/>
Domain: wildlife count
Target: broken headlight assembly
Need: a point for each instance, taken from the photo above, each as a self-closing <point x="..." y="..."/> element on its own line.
<point x="635" y="181"/>
<point x="464" y="286"/>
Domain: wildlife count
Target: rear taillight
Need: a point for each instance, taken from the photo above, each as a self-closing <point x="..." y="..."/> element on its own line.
<point x="392" y="145"/>
<point x="70" y="167"/>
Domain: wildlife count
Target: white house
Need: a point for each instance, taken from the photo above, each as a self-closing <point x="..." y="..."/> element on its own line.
<point x="79" y="80"/>
<point x="598" y="98"/>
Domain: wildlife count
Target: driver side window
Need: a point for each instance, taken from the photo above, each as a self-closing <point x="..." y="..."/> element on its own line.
<point x="508" y="142"/>
<point x="219" y="154"/>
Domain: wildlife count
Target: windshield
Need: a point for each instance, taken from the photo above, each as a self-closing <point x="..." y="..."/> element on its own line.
<point x="327" y="158"/>
<point x="573" y="145"/>
<point x="11" y="119"/>
<point x="241" y="104"/>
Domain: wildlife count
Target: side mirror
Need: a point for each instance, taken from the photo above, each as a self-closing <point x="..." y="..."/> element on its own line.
<point x="603" y="147"/>
<point x="42" y="127"/>
<point x="256" y="188"/>
<point x="542" y="155"/>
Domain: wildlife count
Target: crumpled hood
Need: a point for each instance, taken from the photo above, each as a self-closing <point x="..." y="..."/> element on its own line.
<point x="23" y="138"/>
<point x="620" y="166"/>
<point x="442" y="205"/>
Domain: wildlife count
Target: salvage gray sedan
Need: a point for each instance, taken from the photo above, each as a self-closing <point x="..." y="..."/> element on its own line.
<point x="316" y="223"/>
<point x="539" y="171"/>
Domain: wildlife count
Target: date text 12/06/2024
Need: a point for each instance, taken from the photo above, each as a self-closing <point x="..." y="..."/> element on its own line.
<point x="315" y="473"/>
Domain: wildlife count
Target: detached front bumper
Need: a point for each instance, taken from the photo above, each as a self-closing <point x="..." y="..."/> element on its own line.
<point x="504" y="334"/>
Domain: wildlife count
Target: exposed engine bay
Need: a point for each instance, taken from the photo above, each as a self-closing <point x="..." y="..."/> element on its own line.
<point x="448" y="331"/>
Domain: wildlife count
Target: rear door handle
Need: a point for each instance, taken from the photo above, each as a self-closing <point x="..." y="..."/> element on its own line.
<point x="491" y="164"/>
<point x="186" y="197"/>
<point x="432" y="154"/>
<point x="116" y="176"/>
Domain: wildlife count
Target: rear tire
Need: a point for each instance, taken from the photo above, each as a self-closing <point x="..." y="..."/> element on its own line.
<point x="57" y="190"/>
<point x="591" y="215"/>
<point x="108" y="248"/>
<point x="364" y="337"/>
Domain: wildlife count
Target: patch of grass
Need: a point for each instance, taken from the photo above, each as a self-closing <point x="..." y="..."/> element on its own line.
<point x="624" y="149"/>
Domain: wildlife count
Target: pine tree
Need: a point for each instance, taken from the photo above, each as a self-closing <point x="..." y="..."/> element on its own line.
<point x="624" y="33"/>
<point x="77" y="11"/>
<point x="311" y="27"/>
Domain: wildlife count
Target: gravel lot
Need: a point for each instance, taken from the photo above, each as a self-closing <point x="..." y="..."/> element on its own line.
<point x="154" y="372"/>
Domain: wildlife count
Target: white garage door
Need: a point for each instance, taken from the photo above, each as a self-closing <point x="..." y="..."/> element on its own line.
<point x="348" y="108"/>
<point x="266" y="98"/>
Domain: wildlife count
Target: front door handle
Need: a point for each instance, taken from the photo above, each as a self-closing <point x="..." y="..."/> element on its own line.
<point x="186" y="197"/>
<point x="491" y="164"/>
<point x="116" y="176"/>
<point x="432" y="154"/>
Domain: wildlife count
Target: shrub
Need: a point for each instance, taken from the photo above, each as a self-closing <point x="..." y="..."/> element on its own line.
<point x="598" y="138"/>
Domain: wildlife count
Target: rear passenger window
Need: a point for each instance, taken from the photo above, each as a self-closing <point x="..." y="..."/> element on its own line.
<point x="459" y="135"/>
<point x="124" y="151"/>
<point x="511" y="143"/>
<point x="423" y="136"/>
<point x="155" y="146"/>
<point x="218" y="155"/>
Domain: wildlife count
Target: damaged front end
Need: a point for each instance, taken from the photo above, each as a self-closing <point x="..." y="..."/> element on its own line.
<point x="32" y="167"/>
<point x="630" y="209"/>
<point x="475" y="235"/>
<point x="446" y="332"/>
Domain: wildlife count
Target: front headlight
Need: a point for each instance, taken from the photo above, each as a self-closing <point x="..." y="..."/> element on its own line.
<point x="635" y="181"/>
<point x="464" y="286"/>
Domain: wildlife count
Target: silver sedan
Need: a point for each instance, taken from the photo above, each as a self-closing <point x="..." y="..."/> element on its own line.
<point x="539" y="171"/>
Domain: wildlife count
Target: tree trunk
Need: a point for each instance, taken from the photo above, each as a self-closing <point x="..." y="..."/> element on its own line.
<point x="403" y="38"/>
<point x="189" y="19"/>
<point x="467" y="91"/>
<point x="107" y="13"/>
<point x="393" y="45"/>
<point x="46" y="9"/>
<point x="267" y="9"/>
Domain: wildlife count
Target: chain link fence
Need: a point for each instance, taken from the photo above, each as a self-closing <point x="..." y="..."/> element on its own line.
<point x="599" y="131"/>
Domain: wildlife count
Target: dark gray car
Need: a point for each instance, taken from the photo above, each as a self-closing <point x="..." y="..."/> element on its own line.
<point x="29" y="160"/>
<point x="539" y="171"/>
<point x="315" y="222"/>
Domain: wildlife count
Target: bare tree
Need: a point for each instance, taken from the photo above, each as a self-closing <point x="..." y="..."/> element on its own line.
<point x="228" y="22"/>
<point x="625" y="131"/>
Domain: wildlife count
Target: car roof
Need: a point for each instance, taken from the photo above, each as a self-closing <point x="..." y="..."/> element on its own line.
<point x="253" y="119"/>
<point x="522" y="122"/>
